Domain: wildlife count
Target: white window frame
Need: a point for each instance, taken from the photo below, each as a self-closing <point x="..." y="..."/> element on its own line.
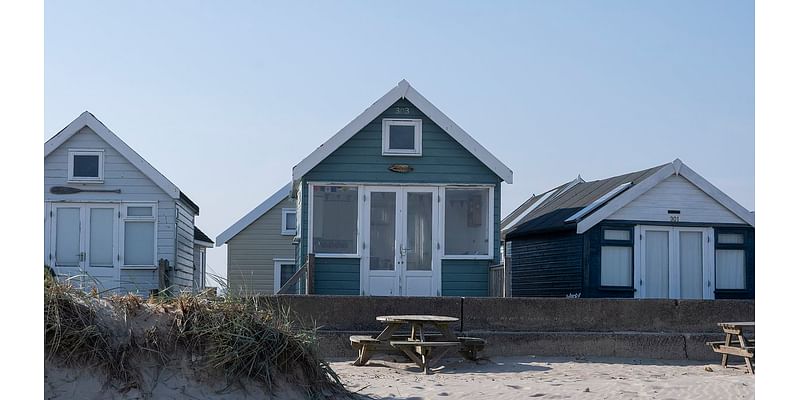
<point x="284" y="229"/>
<point x="277" y="262"/>
<point x="416" y="123"/>
<point x="85" y="152"/>
<point x="360" y="208"/>
<point x="125" y="218"/>
<point x="490" y="226"/>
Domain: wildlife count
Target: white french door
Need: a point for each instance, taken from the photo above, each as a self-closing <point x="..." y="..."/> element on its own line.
<point x="399" y="255"/>
<point x="83" y="240"/>
<point x="674" y="262"/>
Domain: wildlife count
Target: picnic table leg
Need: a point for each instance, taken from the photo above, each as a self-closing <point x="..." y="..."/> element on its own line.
<point x="747" y="361"/>
<point x="446" y="333"/>
<point x="389" y="331"/>
<point x="725" y="356"/>
<point x="363" y="356"/>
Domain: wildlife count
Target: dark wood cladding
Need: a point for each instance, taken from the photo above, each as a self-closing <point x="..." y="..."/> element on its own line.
<point x="547" y="265"/>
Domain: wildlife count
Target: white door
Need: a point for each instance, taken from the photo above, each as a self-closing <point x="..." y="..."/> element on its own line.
<point x="83" y="245"/>
<point x="673" y="262"/>
<point x="399" y="256"/>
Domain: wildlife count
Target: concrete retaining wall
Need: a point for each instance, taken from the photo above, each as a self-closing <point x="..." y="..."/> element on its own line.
<point x="662" y="329"/>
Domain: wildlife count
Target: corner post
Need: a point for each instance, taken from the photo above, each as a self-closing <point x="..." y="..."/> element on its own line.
<point x="310" y="274"/>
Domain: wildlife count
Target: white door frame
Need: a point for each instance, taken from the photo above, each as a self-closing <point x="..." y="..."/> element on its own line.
<point x="399" y="273"/>
<point x="639" y="275"/>
<point x="84" y="236"/>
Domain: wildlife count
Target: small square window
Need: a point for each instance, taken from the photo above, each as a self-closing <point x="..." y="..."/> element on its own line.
<point x="85" y="166"/>
<point x="288" y="221"/>
<point x="402" y="137"/>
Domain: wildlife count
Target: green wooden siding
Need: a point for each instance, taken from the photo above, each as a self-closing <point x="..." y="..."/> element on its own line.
<point x="337" y="276"/>
<point x="443" y="161"/>
<point x="465" y="278"/>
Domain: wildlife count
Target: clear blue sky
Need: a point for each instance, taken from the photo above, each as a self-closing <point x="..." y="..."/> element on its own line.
<point x="225" y="97"/>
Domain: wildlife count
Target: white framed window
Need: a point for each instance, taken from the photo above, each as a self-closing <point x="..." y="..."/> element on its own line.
<point x="402" y="137"/>
<point x="139" y="235"/>
<point x="85" y="165"/>
<point x="288" y="221"/>
<point x="334" y="220"/>
<point x="468" y="223"/>
<point x="616" y="258"/>
<point x="284" y="269"/>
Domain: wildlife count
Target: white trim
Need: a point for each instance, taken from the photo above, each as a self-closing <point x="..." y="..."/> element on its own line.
<point x="276" y="271"/>
<point x="86" y="119"/>
<point x="599" y="201"/>
<point x="530" y="209"/>
<point x="284" y="229"/>
<point x="402" y="90"/>
<point x="203" y="243"/>
<point x="71" y="153"/>
<point x="678" y="168"/>
<point x="386" y="129"/>
<point x="254" y="214"/>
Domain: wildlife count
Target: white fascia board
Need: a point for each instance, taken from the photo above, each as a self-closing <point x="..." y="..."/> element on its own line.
<point x="203" y="243"/>
<point x="677" y="167"/>
<point x="403" y="90"/>
<point x="718" y="195"/>
<point x="600" y="200"/>
<point x="87" y="119"/>
<point x="626" y="197"/>
<point x="530" y="209"/>
<point x="253" y="215"/>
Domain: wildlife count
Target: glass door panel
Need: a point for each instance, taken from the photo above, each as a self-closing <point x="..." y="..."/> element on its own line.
<point x="68" y="256"/>
<point x="99" y="266"/>
<point x="419" y="232"/>
<point x="382" y="223"/>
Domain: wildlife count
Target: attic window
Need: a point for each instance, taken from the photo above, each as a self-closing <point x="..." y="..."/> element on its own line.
<point x="85" y="166"/>
<point x="402" y="137"/>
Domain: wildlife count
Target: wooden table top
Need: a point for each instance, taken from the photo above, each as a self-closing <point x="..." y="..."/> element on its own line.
<point x="738" y="324"/>
<point x="415" y="318"/>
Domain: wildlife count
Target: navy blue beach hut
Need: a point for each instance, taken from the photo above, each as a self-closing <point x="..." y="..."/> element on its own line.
<point x="663" y="232"/>
<point x="401" y="202"/>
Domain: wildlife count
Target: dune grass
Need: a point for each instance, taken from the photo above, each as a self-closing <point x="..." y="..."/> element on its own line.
<point x="235" y="339"/>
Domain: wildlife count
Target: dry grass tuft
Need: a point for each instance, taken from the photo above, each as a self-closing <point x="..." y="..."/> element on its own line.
<point x="236" y="339"/>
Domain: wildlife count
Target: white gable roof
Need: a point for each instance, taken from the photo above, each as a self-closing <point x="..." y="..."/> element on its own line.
<point x="677" y="167"/>
<point x="253" y="215"/>
<point x="403" y="90"/>
<point x="87" y="119"/>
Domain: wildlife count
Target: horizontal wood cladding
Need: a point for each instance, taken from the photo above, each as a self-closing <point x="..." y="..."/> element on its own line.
<point x="467" y="278"/>
<point x="443" y="159"/>
<point x="337" y="276"/>
<point x="547" y="265"/>
<point x="676" y="193"/>
<point x="252" y="252"/>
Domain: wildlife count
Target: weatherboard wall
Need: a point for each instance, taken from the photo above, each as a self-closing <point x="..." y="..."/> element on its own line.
<point x="119" y="173"/>
<point x="252" y="252"/>
<point x="443" y="161"/>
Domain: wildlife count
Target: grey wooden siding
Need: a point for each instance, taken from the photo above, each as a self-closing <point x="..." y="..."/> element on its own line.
<point x="135" y="186"/>
<point x="548" y="265"/>
<point x="252" y="251"/>
<point x="183" y="271"/>
<point x="676" y="193"/>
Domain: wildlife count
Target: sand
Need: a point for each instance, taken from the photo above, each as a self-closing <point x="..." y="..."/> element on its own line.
<point x="549" y="378"/>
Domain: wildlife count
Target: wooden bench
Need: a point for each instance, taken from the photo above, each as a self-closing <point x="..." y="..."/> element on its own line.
<point x="470" y="346"/>
<point x="422" y="353"/>
<point x="745" y="349"/>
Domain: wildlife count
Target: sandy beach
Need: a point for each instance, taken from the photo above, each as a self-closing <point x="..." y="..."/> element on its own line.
<point x="549" y="378"/>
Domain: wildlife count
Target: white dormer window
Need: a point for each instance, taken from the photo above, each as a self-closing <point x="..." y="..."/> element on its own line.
<point x="402" y="137"/>
<point x="85" y="166"/>
<point x="288" y="221"/>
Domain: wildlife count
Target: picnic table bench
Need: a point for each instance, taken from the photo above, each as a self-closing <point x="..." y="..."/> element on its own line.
<point x="745" y="349"/>
<point x="424" y="349"/>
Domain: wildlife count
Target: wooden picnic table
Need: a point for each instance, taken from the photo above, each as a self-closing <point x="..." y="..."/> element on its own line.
<point x="745" y="349"/>
<point x="424" y="349"/>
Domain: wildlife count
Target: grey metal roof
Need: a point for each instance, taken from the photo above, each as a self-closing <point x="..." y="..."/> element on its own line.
<point x="550" y="215"/>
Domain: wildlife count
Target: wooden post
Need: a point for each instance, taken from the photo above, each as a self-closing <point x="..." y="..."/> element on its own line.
<point x="507" y="276"/>
<point x="310" y="274"/>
